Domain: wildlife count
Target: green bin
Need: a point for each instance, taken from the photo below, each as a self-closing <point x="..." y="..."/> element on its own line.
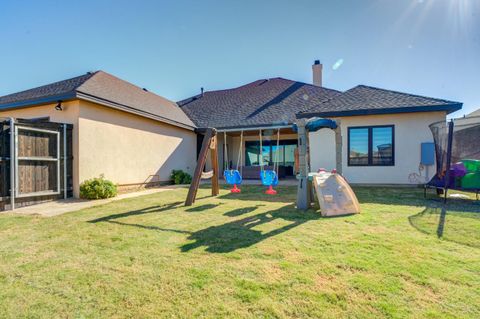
<point x="471" y="165"/>
<point x="471" y="181"/>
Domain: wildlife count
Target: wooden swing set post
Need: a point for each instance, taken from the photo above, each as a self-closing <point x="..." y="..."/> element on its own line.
<point x="209" y="144"/>
<point x="214" y="159"/>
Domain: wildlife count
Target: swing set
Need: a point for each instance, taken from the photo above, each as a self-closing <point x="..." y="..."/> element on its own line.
<point x="334" y="194"/>
<point x="269" y="177"/>
<point x="234" y="176"/>
<point x="209" y="145"/>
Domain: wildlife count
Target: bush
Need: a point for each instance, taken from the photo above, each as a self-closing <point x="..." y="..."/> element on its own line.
<point x="98" y="188"/>
<point x="187" y="178"/>
<point x="180" y="177"/>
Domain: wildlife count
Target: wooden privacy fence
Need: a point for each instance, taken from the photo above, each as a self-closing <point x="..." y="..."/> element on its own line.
<point x="35" y="162"/>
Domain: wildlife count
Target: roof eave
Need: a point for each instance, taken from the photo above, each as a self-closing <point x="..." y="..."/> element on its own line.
<point x="250" y="127"/>
<point x="126" y="108"/>
<point x="40" y="101"/>
<point x="449" y="108"/>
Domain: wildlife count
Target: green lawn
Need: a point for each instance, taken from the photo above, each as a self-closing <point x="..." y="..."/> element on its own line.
<point x="246" y="255"/>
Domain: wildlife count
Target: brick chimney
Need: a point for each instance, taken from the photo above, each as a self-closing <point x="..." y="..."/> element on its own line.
<point x="317" y="73"/>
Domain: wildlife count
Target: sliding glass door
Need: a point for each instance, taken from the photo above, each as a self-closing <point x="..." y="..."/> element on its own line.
<point x="283" y="154"/>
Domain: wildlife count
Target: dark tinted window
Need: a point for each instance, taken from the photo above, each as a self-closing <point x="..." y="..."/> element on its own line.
<point x="358" y="153"/>
<point x="382" y="146"/>
<point x="372" y="145"/>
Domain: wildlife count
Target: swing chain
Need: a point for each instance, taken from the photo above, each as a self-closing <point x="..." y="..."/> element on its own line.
<point x="240" y="152"/>
<point x="225" y="151"/>
<point x="261" y="151"/>
<point x="277" y="151"/>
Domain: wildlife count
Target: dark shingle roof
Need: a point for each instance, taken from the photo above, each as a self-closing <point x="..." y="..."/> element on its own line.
<point x="363" y="100"/>
<point x="261" y="103"/>
<point x="109" y="88"/>
<point x="57" y="89"/>
<point x="106" y="89"/>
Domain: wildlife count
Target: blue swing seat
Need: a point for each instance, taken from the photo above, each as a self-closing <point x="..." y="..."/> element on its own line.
<point x="269" y="178"/>
<point x="232" y="177"/>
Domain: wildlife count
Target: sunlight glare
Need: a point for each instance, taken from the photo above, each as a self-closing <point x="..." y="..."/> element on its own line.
<point x="337" y="64"/>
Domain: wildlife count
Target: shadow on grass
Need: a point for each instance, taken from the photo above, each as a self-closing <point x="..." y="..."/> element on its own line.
<point x="201" y="208"/>
<point x="147" y="210"/>
<point x="241" y="211"/>
<point x="456" y="223"/>
<point x="405" y="196"/>
<point x="286" y="194"/>
<point x="240" y="233"/>
<point x="150" y="227"/>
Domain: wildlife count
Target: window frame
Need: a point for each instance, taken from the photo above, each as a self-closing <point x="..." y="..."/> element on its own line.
<point x="270" y="144"/>
<point x="370" y="145"/>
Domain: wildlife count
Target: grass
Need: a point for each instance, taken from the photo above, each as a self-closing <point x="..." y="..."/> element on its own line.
<point x="245" y="255"/>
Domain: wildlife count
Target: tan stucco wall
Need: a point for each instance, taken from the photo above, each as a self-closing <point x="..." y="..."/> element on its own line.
<point x="126" y="148"/>
<point x="130" y="149"/>
<point x="411" y="129"/>
<point x="68" y="115"/>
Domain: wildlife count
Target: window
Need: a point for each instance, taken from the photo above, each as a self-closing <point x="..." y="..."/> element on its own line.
<point x="251" y="153"/>
<point x="283" y="154"/>
<point x="371" y="146"/>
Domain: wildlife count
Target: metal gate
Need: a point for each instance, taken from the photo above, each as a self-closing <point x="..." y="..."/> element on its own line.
<point x="35" y="161"/>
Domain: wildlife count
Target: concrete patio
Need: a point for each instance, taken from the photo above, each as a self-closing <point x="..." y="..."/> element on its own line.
<point x="59" y="207"/>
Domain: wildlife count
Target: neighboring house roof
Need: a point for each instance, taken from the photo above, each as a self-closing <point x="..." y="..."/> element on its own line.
<point x="367" y="100"/>
<point x="267" y="102"/>
<point x="475" y="113"/>
<point x="105" y="89"/>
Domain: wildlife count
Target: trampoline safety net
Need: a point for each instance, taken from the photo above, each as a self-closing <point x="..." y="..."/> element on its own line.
<point x="457" y="151"/>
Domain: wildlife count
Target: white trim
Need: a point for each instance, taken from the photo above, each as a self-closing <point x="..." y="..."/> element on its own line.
<point x="12" y="163"/>
<point x="26" y="128"/>
<point x="247" y="129"/>
<point x="37" y="194"/>
<point x="64" y="161"/>
<point x="37" y="158"/>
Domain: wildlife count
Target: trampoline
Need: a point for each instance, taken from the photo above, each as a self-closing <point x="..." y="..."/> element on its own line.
<point x="457" y="152"/>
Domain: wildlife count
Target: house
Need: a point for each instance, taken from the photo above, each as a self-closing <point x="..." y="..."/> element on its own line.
<point x="382" y="130"/>
<point x="130" y="135"/>
<point x="475" y="113"/>
<point x="135" y="137"/>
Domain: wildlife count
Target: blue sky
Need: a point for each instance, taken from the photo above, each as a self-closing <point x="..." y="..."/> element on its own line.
<point x="427" y="47"/>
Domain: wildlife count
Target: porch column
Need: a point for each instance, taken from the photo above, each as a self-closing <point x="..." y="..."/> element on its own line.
<point x="304" y="187"/>
<point x="338" y="147"/>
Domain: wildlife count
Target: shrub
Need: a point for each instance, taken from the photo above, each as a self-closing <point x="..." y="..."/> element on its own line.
<point x="98" y="188"/>
<point x="180" y="177"/>
<point x="187" y="178"/>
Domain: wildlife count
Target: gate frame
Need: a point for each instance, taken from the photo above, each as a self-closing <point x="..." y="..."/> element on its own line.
<point x="25" y="124"/>
<point x="40" y="159"/>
